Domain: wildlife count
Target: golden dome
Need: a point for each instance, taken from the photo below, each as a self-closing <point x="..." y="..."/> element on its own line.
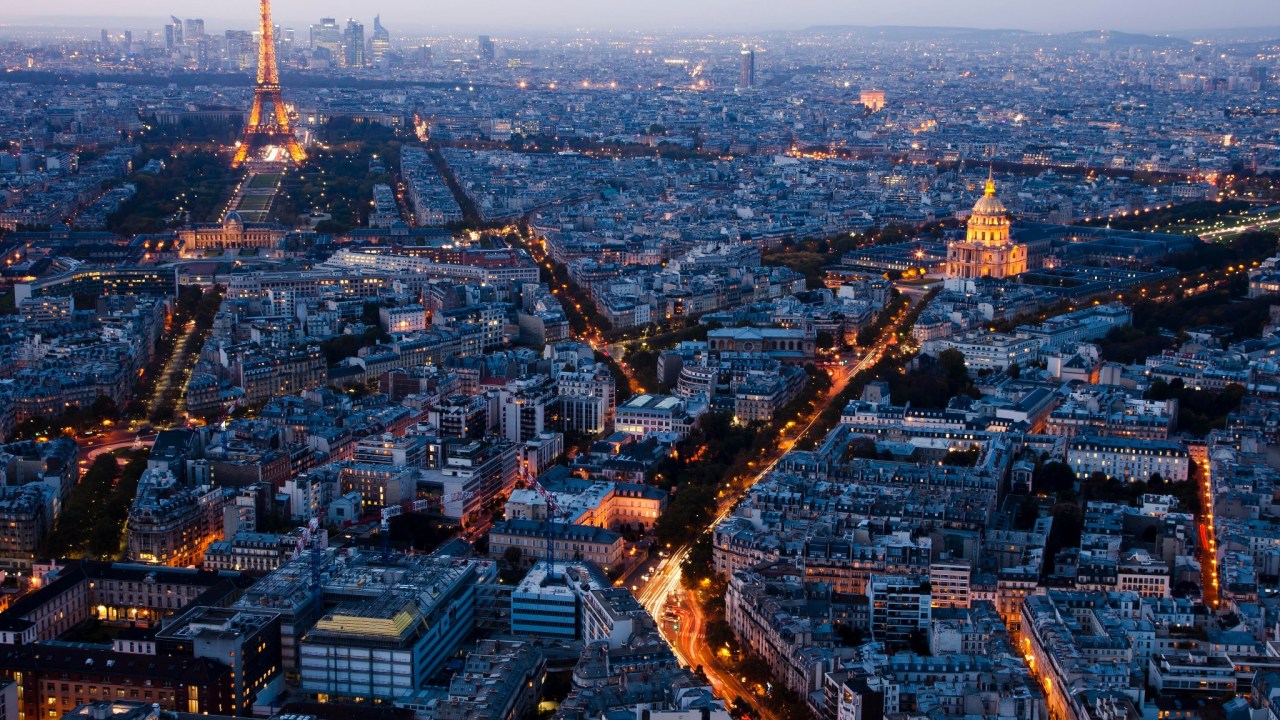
<point x="989" y="205"/>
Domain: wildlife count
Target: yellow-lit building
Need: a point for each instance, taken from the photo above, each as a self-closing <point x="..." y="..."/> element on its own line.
<point x="987" y="250"/>
<point x="233" y="233"/>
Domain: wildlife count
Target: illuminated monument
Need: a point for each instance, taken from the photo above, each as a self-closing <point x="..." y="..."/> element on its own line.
<point x="268" y="129"/>
<point x="986" y="250"/>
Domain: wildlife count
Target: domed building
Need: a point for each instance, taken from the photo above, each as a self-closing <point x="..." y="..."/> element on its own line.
<point x="233" y="233"/>
<point x="987" y="250"/>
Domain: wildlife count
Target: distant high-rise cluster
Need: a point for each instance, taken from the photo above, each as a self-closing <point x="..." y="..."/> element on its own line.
<point x="618" y="332"/>
<point x="332" y="45"/>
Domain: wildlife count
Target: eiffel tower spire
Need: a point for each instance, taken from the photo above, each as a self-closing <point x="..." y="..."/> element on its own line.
<point x="268" y="127"/>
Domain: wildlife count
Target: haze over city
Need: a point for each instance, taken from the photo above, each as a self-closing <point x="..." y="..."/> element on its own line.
<point x="1151" y="16"/>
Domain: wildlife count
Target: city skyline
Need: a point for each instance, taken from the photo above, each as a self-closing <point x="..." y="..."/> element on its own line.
<point x="1179" y="17"/>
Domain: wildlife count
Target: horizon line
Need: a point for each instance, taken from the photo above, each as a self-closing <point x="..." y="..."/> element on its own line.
<point x="95" y="23"/>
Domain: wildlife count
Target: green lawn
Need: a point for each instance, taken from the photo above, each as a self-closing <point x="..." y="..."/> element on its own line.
<point x="264" y="181"/>
<point x="254" y="203"/>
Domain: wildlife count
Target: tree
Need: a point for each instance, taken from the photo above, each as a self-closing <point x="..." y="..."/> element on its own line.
<point x="919" y="642"/>
<point x="861" y="447"/>
<point x="512" y="556"/>
<point x="825" y="340"/>
<point x="951" y="364"/>
<point x="962" y="458"/>
<point x="1028" y="513"/>
<point x="1068" y="523"/>
<point x="849" y="635"/>
<point x="1052" y="478"/>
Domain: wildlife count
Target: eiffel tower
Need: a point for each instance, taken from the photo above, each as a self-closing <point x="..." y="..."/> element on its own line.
<point x="274" y="127"/>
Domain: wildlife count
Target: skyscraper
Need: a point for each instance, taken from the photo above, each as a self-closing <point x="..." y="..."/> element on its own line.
<point x="380" y="43"/>
<point x="203" y="57"/>
<point x="176" y="24"/>
<point x="326" y="39"/>
<point x="353" y="44"/>
<point x="194" y="30"/>
<point x="747" y="68"/>
<point x="488" y="52"/>
<point x="422" y="57"/>
<point x="239" y="49"/>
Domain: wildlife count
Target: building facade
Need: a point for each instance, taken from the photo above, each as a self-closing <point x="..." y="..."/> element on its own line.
<point x="987" y="250"/>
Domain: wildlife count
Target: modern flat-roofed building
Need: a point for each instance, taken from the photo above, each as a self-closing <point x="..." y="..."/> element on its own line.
<point x="588" y="399"/>
<point x="901" y="606"/>
<point x="528" y="407"/>
<point x="460" y="416"/>
<point x="387" y="449"/>
<point x="475" y="472"/>
<point x="383" y="640"/>
<point x="644" y="414"/>
<point x="950" y="584"/>
<point x="546" y="603"/>
<point x="1191" y="673"/>
<point x="248" y="641"/>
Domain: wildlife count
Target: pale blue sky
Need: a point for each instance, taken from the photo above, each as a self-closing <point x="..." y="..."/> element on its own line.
<point x="729" y="15"/>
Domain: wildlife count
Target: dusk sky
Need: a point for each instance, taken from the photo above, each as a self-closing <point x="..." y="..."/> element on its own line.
<point x="512" y="15"/>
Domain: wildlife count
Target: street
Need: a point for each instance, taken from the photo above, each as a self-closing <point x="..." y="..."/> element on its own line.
<point x="664" y="584"/>
<point x="122" y="439"/>
<point x="1208" y="536"/>
<point x="177" y="370"/>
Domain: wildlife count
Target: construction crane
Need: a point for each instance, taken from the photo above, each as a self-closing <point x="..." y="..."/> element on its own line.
<point x="392" y="511"/>
<point x="309" y="542"/>
<point x="553" y="511"/>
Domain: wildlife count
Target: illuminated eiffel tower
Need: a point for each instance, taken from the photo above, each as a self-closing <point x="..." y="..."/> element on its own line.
<point x="274" y="127"/>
